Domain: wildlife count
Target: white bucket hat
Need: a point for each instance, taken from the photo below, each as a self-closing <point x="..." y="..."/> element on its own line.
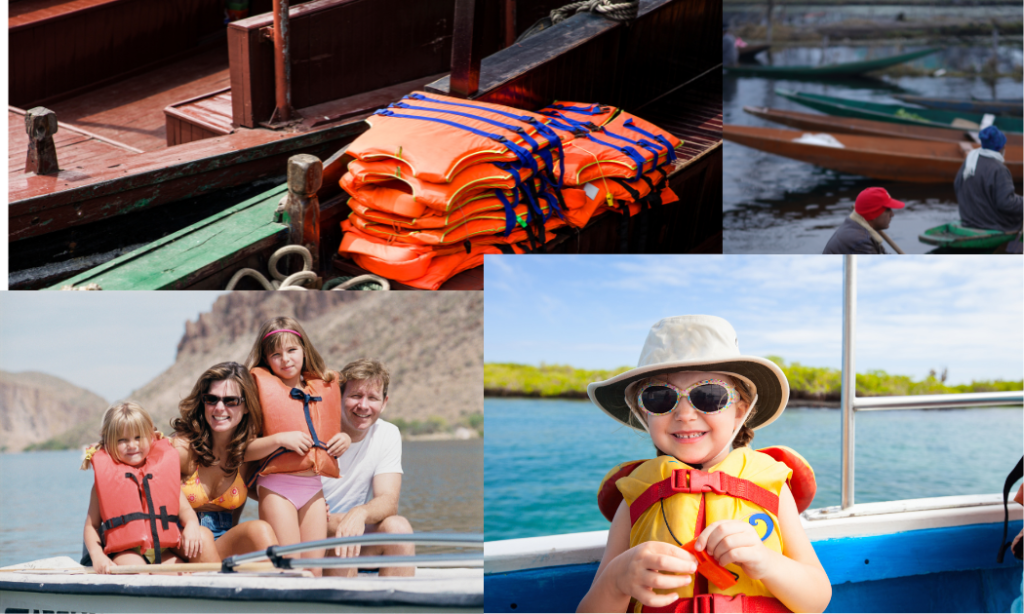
<point x="697" y="343"/>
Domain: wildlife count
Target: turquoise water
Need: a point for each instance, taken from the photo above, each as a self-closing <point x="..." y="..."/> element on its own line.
<point x="545" y="458"/>
<point x="44" y="497"/>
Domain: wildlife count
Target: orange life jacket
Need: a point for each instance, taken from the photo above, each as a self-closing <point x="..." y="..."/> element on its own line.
<point x="139" y="505"/>
<point x="439" y="136"/>
<point x="291" y="409"/>
<point x="390" y="186"/>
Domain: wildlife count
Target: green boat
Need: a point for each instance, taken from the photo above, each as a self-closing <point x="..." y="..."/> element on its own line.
<point x="898" y="114"/>
<point x="846" y="69"/>
<point x="955" y="236"/>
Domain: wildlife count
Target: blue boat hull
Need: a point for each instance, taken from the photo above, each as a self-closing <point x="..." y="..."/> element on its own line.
<point x="929" y="570"/>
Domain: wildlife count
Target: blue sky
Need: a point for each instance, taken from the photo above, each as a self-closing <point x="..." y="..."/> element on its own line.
<point x="107" y="342"/>
<point x="915" y="313"/>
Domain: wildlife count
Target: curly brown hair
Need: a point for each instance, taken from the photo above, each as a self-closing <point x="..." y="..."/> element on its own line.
<point x="267" y="343"/>
<point x="193" y="428"/>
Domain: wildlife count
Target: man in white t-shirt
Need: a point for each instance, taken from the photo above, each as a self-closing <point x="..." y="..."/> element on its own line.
<point x="365" y="498"/>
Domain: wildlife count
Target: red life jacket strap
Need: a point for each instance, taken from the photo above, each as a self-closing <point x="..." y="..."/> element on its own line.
<point x="697" y="481"/>
<point x="716" y="602"/>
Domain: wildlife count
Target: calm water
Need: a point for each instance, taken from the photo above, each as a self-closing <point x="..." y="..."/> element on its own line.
<point x="773" y="204"/>
<point x="546" y="458"/>
<point x="45" y="497"/>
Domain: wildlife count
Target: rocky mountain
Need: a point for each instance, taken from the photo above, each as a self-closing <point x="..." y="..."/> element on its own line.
<point x="34" y="407"/>
<point x="432" y="343"/>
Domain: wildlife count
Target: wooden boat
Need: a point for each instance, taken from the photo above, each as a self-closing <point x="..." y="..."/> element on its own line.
<point x="853" y="125"/>
<point x="446" y="582"/>
<point x="898" y="114"/>
<point x="1012" y="108"/>
<point x="845" y="69"/>
<point x="747" y="54"/>
<point x="685" y="100"/>
<point x="955" y="236"/>
<point x="893" y="556"/>
<point x="159" y="108"/>
<point x="879" y="158"/>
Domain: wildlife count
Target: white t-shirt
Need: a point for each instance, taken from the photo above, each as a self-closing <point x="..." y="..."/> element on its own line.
<point x="379" y="452"/>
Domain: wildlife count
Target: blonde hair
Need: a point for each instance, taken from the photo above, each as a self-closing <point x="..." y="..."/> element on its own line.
<point x="637" y="413"/>
<point x="267" y="343"/>
<point x="123" y="419"/>
<point x="367" y="369"/>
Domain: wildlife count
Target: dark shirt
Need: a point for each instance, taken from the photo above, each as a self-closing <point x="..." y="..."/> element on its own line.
<point x="852" y="238"/>
<point x="987" y="199"/>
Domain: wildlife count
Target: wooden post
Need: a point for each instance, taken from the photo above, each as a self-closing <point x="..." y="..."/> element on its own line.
<point x="282" y="64"/>
<point x="41" y="125"/>
<point x="305" y="172"/>
<point x="508" y="21"/>
<point x="467" y="35"/>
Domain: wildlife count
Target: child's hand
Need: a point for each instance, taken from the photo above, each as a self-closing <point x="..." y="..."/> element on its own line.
<point x="338" y="444"/>
<point x="641" y="572"/>
<point x="296" y="441"/>
<point x="102" y="564"/>
<point x="734" y="541"/>
<point x="192" y="540"/>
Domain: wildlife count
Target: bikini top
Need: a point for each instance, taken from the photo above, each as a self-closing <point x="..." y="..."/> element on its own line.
<point x="230" y="499"/>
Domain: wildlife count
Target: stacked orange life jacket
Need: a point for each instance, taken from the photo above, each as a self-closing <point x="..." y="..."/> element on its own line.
<point x="439" y="182"/>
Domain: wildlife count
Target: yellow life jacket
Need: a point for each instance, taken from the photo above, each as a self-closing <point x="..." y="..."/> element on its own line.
<point x="672" y="502"/>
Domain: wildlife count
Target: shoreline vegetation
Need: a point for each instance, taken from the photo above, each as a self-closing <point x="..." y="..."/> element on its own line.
<point x="817" y="386"/>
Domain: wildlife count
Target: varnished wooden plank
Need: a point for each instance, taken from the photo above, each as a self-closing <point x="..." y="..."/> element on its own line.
<point x="42" y="204"/>
<point x="186" y="257"/>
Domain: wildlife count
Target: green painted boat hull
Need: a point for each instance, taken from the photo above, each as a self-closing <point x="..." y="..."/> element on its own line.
<point x="181" y="259"/>
<point x="894" y="113"/>
<point x="846" y="69"/>
<point x="955" y="236"/>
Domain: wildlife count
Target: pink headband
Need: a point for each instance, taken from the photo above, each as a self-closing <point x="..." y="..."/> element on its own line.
<point x="283" y="330"/>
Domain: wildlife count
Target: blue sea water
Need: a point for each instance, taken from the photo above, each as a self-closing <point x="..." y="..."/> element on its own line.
<point x="545" y="458"/>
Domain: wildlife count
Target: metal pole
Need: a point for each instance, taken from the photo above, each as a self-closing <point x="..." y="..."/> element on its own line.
<point x="849" y="375"/>
<point x="467" y="40"/>
<point x="282" y="63"/>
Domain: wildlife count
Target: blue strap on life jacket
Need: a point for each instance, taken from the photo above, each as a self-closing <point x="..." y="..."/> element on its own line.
<point x="510" y="211"/>
<point x="593" y="109"/>
<point x="534" y="146"/>
<point x="657" y="137"/>
<point x="521" y="153"/>
<point x="298" y="395"/>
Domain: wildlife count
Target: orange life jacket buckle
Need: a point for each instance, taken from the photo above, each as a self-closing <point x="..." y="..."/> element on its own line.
<point x="694" y="481"/>
<point x="703" y="603"/>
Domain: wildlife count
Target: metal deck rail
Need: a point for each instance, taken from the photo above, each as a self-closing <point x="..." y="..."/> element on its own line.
<point x="851" y="404"/>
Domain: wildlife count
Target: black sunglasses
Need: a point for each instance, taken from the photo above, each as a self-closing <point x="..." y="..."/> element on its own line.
<point x="212" y="399"/>
<point x="708" y="396"/>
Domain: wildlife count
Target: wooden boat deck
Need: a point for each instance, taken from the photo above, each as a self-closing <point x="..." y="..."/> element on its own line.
<point x="132" y="111"/>
<point x="74" y="147"/>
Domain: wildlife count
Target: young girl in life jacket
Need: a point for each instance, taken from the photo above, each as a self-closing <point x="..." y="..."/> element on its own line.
<point x="710" y="524"/>
<point x="136" y="504"/>
<point x="302" y="437"/>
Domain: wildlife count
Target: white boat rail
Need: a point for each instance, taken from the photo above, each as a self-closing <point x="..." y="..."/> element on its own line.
<point x="276" y="554"/>
<point x="851" y="403"/>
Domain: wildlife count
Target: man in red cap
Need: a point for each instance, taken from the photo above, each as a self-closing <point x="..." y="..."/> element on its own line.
<point x="859" y="233"/>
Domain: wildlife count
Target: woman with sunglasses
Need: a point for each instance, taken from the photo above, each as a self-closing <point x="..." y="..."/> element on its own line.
<point x="710" y="524"/>
<point x="219" y="418"/>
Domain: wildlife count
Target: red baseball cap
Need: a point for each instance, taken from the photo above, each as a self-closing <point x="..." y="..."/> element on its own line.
<point x="873" y="201"/>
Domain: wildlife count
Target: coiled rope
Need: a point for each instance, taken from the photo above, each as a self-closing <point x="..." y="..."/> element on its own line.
<point x="616" y="11"/>
<point x="298" y="281"/>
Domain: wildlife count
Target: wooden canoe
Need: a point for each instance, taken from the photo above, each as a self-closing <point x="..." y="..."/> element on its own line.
<point x="1013" y="108"/>
<point x="879" y="158"/>
<point x="853" y="125"/>
<point x="955" y="236"/>
<point x="897" y="113"/>
<point x="846" y="69"/>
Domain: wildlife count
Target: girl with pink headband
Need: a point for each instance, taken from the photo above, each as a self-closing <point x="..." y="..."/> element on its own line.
<point x="302" y="437"/>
